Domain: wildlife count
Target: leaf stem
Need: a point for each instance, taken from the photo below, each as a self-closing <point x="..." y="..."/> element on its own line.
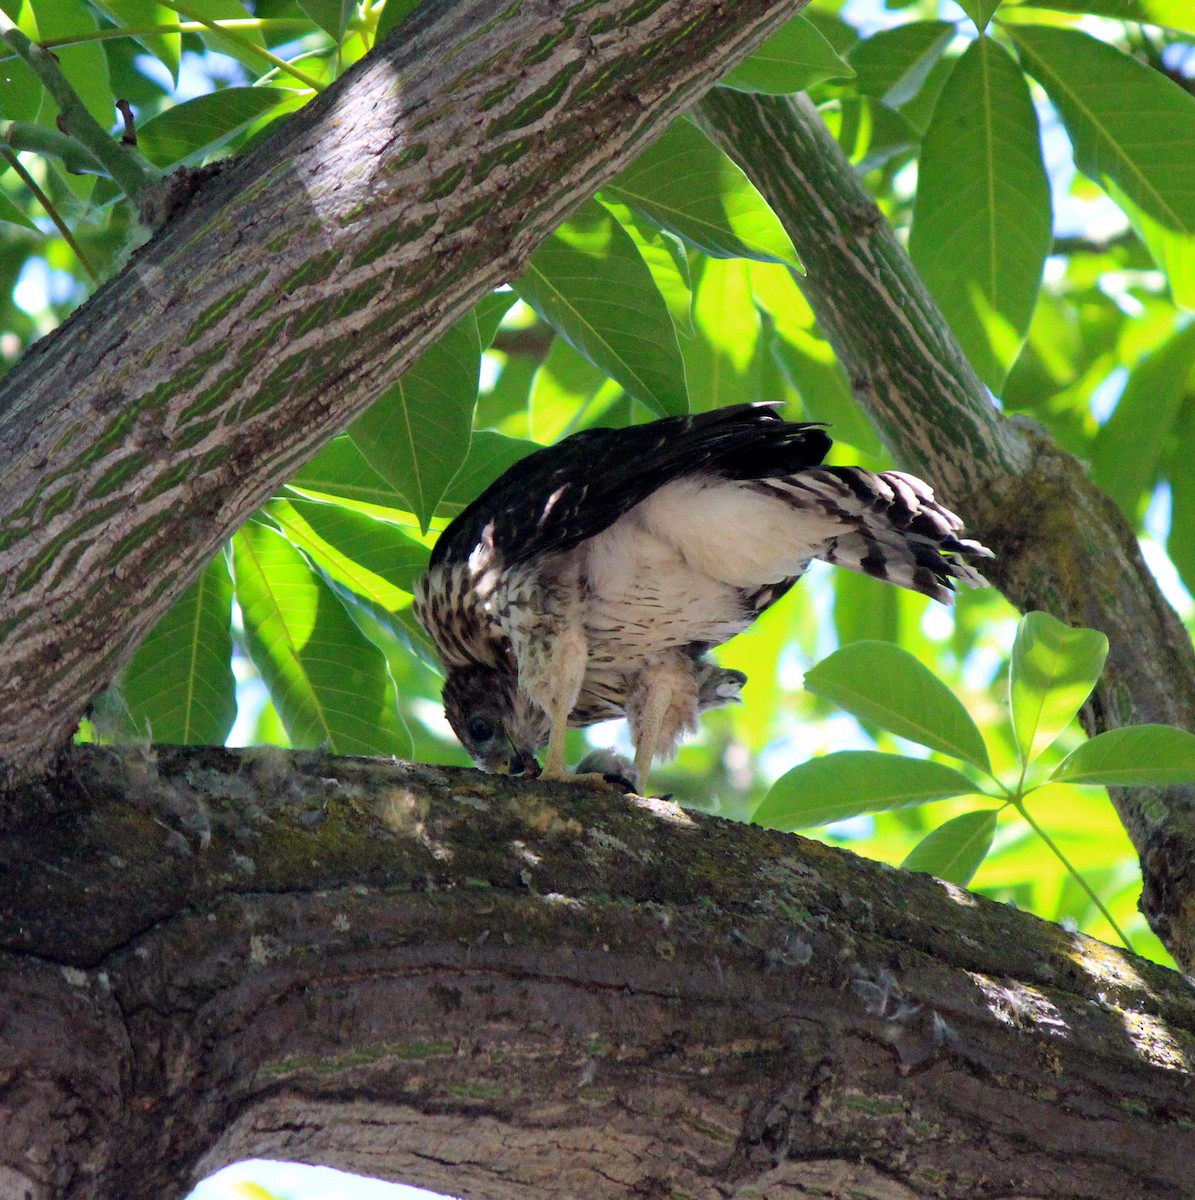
<point x="135" y="31"/>
<point x="50" y="209"/>
<point x="246" y="44"/>
<point x="24" y="135"/>
<point x="125" y="164"/>
<point x="1019" y="805"/>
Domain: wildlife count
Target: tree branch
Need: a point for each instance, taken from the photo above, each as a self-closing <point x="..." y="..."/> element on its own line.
<point x="297" y="286"/>
<point x="1061" y="544"/>
<point x="505" y="988"/>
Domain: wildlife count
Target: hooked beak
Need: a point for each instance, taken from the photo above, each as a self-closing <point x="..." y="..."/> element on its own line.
<point x="516" y="762"/>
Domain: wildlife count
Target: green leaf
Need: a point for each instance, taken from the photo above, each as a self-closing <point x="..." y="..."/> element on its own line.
<point x="1128" y="448"/>
<point x="1142" y="755"/>
<point x="1173" y="252"/>
<point x="853" y="782"/>
<point x="10" y="212"/>
<point x="565" y="385"/>
<point x="590" y="284"/>
<point x="1114" y="109"/>
<point x="955" y="850"/>
<point x="416" y="436"/>
<point x="666" y="259"/>
<point x="893" y="65"/>
<point x="20" y="91"/>
<point x="980" y="11"/>
<point x="721" y="360"/>
<point x="793" y="59"/>
<point x="84" y="64"/>
<point x="332" y="16"/>
<point x="197" y="127"/>
<point x="341" y="470"/>
<point x="179" y="686"/>
<point x="490" y="454"/>
<point x="982" y="224"/>
<point x="329" y="683"/>
<point x="373" y="558"/>
<point x="489" y="311"/>
<point x="393" y="15"/>
<point x="686" y="184"/>
<point x="1054" y="668"/>
<point x="887" y="686"/>
<point x="1170" y="14"/>
<point x="144" y="14"/>
<point x="870" y="133"/>
<point x="239" y="46"/>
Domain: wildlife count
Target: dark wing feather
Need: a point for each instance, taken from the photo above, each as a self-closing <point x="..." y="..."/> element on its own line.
<point x="563" y="494"/>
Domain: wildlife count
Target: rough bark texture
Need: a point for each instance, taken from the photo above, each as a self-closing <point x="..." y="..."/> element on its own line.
<point x="298" y="284"/>
<point x="505" y="989"/>
<point x="1061" y="544"/>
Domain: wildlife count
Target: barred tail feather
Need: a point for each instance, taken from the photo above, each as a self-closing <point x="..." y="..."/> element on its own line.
<point x="894" y="529"/>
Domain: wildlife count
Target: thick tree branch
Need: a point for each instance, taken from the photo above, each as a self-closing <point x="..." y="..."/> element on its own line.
<point x="299" y="284"/>
<point x="1061" y="544"/>
<point x="509" y="989"/>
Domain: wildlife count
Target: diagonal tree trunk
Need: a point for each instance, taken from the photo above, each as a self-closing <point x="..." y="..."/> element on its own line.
<point x="1061" y="544"/>
<point x="292" y="291"/>
<point x="500" y="988"/>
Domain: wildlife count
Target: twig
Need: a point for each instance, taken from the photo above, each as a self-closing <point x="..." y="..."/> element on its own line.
<point x="24" y="135"/>
<point x="51" y="210"/>
<point x="124" y="163"/>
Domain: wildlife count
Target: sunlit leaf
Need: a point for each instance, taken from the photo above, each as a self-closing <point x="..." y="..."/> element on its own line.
<point x="241" y="43"/>
<point x="590" y="284"/>
<point x="489" y="455"/>
<point x="84" y="63"/>
<point x="794" y="58"/>
<point x="956" y="849"/>
<point x="565" y="387"/>
<point x="1114" y="109"/>
<point x="1054" y="668"/>
<point x="372" y="557"/>
<point x="1128" y="449"/>
<point x="179" y="686"/>
<point x="887" y="686"/>
<point x="416" y="436"/>
<point x="143" y="15"/>
<point x="893" y="64"/>
<point x="340" y="469"/>
<point x="328" y="681"/>
<point x="665" y="256"/>
<point x="980" y="11"/>
<point x="1143" y="755"/>
<point x="720" y="359"/>
<point x="982" y="224"/>
<point x="685" y="183"/>
<point x="332" y="16"/>
<point x="853" y="782"/>
<point x="869" y="131"/>
<point x="197" y="127"/>
<point x="1171" y="14"/>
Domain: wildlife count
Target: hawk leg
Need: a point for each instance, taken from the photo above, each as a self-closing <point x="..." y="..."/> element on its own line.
<point x="553" y="675"/>
<point x="662" y="705"/>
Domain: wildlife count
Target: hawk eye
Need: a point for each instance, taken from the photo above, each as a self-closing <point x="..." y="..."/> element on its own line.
<point x="480" y="729"/>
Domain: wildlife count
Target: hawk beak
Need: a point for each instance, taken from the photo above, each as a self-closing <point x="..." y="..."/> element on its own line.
<point x="524" y="764"/>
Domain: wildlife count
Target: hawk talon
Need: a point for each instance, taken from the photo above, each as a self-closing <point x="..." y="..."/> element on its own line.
<point x="593" y="577"/>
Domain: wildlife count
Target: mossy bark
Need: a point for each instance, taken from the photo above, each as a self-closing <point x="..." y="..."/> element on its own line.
<point x="507" y="989"/>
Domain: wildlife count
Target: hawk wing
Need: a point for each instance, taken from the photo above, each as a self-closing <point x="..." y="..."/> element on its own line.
<point x="557" y="497"/>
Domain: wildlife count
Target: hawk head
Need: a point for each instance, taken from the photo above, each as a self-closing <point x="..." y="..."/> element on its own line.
<point x="500" y="726"/>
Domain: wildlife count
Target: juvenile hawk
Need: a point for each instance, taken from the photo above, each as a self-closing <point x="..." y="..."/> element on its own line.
<point x="592" y="578"/>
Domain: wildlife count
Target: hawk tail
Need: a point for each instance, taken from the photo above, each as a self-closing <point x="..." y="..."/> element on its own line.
<point x="894" y="529"/>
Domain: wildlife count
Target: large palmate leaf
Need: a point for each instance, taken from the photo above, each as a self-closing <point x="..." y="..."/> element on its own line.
<point x="1130" y="126"/>
<point x="955" y="850"/>
<point x="883" y="684"/>
<point x="685" y="183"/>
<point x="982" y="224"/>
<point x="590" y="283"/>
<point x="329" y="683"/>
<point x="197" y="127"/>
<point x="417" y="434"/>
<point x="179" y="686"/>
<point x="341" y="470"/>
<point x="1054" y="668"/>
<point x="1129" y="447"/>
<point x="1142" y="755"/>
<point x="1171" y="14"/>
<point x="853" y="782"/>
<point x="794" y="58"/>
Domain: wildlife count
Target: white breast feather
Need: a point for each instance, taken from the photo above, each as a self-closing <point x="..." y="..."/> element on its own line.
<point x="733" y="533"/>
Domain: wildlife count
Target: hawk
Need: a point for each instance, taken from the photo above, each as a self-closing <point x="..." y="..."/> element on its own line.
<point x="592" y="579"/>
